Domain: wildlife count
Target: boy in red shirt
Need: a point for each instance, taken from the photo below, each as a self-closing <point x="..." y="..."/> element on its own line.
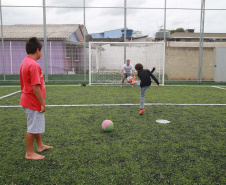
<point x="33" y="98"/>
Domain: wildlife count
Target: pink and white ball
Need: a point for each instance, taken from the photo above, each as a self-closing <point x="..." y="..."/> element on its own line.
<point x="129" y="79"/>
<point x="107" y="125"/>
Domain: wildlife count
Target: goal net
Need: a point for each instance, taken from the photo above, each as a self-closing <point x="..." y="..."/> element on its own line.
<point x="106" y="60"/>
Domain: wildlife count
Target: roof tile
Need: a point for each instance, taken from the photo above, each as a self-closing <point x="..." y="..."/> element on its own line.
<point x="53" y="31"/>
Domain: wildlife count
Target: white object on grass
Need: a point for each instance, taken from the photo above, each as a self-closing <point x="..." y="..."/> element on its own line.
<point x="162" y="121"/>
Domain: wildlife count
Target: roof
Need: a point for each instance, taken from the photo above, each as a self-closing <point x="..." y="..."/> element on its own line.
<point x="197" y="35"/>
<point x="53" y="31"/>
<point x="109" y="30"/>
<point x="121" y="39"/>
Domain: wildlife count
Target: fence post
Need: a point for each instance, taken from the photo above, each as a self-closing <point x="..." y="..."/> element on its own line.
<point x="163" y="69"/>
<point x="45" y="41"/>
<point x="11" y="56"/>
<point x="3" y="52"/>
<point x="201" y="40"/>
<point x="84" y="35"/>
<point x="125" y="31"/>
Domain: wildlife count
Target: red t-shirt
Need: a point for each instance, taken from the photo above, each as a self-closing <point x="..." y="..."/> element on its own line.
<point x="31" y="74"/>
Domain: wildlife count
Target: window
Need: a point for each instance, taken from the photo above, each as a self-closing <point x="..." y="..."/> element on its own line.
<point x="177" y="40"/>
<point x="209" y="40"/>
<point x="187" y="40"/>
<point x="68" y="49"/>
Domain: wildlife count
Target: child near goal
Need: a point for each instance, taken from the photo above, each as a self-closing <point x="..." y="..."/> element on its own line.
<point x="145" y="82"/>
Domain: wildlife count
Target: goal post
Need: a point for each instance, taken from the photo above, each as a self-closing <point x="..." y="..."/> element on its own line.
<point x="106" y="60"/>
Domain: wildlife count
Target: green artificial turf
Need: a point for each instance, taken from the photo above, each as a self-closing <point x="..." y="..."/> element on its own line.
<point x="188" y="150"/>
<point x="5" y="91"/>
<point x="51" y="77"/>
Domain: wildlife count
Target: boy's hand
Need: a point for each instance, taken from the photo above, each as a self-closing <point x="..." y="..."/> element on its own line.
<point x="159" y="85"/>
<point x="154" y="67"/>
<point x="43" y="108"/>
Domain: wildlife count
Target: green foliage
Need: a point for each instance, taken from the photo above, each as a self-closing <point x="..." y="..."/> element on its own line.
<point x="137" y="33"/>
<point x="177" y="30"/>
<point x="189" y="150"/>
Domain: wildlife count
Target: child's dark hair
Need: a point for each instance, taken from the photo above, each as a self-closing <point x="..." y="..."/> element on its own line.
<point x="32" y="45"/>
<point x="139" y="66"/>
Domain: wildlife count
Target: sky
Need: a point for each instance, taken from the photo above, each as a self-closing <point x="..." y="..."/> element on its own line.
<point x="146" y="16"/>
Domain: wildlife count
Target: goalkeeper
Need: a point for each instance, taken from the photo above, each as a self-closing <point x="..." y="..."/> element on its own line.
<point x="145" y="82"/>
<point x="128" y="70"/>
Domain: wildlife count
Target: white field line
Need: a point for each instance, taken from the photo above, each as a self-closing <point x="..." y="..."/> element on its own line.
<point x="63" y="85"/>
<point x="9" y="94"/>
<point x="104" y="105"/>
<point x="10" y="86"/>
<point x="79" y="85"/>
<point x="48" y="86"/>
<point x="153" y="85"/>
<point x="219" y="87"/>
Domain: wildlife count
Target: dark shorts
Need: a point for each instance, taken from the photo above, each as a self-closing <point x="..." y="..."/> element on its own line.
<point x="125" y="75"/>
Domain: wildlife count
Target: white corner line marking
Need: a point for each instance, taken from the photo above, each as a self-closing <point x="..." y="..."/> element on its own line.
<point x="9" y="95"/>
<point x="219" y="87"/>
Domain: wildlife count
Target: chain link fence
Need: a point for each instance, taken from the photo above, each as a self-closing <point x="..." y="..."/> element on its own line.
<point x="64" y="27"/>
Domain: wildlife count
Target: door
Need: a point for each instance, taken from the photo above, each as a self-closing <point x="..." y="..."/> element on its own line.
<point x="220" y="65"/>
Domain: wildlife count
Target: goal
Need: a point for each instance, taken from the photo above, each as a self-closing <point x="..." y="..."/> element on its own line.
<point x="106" y="60"/>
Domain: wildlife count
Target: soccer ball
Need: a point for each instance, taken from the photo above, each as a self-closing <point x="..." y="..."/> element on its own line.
<point x="107" y="125"/>
<point x="129" y="79"/>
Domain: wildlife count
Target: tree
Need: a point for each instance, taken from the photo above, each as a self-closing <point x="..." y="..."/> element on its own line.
<point x="137" y="33"/>
<point x="177" y="30"/>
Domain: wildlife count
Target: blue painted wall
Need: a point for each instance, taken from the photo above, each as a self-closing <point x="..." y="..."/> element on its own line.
<point x="72" y="38"/>
<point x="97" y="35"/>
<point x="118" y="33"/>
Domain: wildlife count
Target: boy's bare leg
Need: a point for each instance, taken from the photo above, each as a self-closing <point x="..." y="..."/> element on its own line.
<point x="30" y="154"/>
<point x="123" y="80"/>
<point x="40" y="144"/>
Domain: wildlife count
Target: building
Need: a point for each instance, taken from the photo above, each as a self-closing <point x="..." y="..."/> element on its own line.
<point x="118" y="36"/>
<point x="64" y="47"/>
<point x="160" y="35"/>
<point x="190" y="36"/>
<point x="117" y="33"/>
<point x="182" y="55"/>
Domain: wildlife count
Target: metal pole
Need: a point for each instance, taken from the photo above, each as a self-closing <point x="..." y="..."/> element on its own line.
<point x="90" y="67"/>
<point x="50" y="53"/>
<point x="3" y="52"/>
<point x="163" y="67"/>
<point x="201" y="40"/>
<point x="84" y="35"/>
<point x="165" y="21"/>
<point x="45" y="41"/>
<point x="125" y="31"/>
<point x="11" y="56"/>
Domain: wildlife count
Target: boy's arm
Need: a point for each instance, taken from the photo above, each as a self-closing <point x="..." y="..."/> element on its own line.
<point x="155" y="79"/>
<point x="38" y="94"/>
<point x="153" y="69"/>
